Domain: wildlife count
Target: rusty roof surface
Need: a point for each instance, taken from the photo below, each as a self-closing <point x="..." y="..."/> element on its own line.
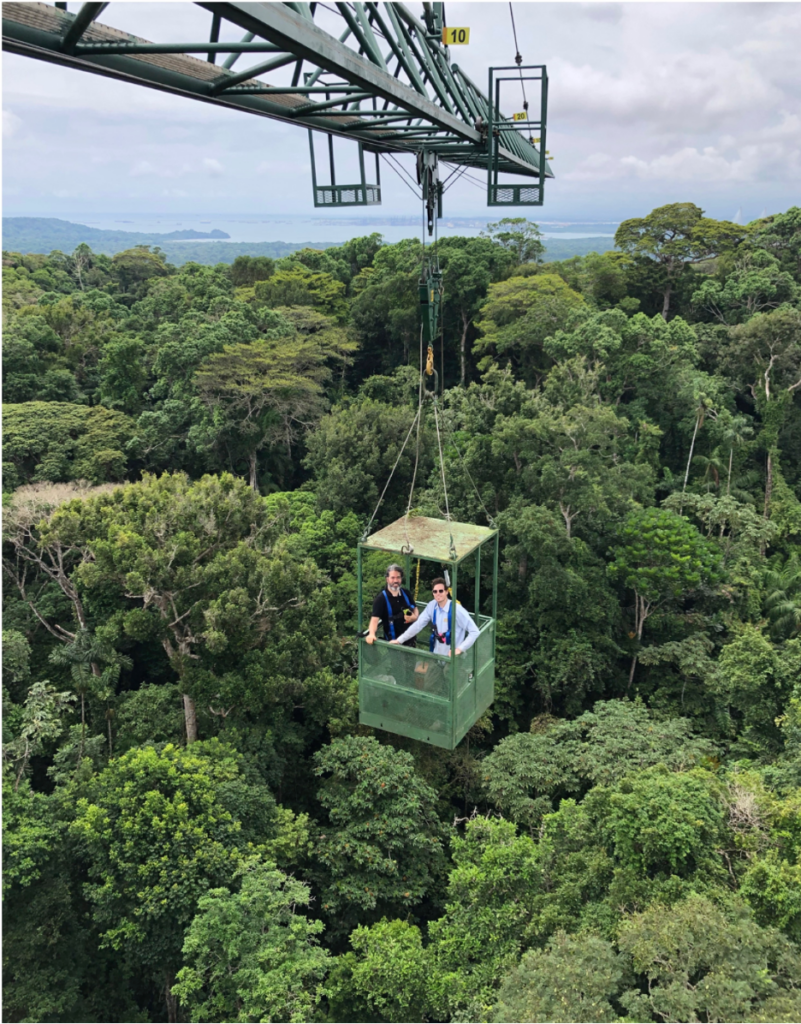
<point x="429" y="538"/>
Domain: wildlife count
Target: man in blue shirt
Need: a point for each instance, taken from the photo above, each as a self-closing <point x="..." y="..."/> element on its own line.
<point x="446" y="634"/>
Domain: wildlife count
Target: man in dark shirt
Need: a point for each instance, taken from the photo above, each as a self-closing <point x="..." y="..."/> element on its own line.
<point x="393" y="607"/>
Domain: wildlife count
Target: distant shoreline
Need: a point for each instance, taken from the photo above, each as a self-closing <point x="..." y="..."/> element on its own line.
<point x="46" y="234"/>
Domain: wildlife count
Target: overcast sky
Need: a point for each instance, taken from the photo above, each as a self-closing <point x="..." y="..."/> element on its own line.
<point x="650" y="103"/>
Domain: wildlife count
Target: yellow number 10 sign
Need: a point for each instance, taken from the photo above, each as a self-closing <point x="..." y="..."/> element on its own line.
<point x="456" y="36"/>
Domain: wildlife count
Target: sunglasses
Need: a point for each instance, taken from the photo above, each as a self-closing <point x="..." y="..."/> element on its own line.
<point x="439" y="590"/>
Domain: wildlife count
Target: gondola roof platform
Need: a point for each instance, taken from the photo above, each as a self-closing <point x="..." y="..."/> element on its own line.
<point x="429" y="538"/>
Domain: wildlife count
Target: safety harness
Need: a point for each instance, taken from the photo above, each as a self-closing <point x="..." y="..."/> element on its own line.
<point x="440" y="638"/>
<point x="391" y="614"/>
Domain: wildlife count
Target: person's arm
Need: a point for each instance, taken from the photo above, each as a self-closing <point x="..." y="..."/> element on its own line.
<point x="371" y="629"/>
<point x="465" y="621"/>
<point x="418" y="624"/>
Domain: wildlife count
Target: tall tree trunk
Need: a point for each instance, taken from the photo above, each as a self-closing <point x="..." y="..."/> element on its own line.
<point x="689" y="460"/>
<point x="170" y="1000"/>
<point x="640" y="615"/>
<point x="463" y="347"/>
<point x="190" y="718"/>
<point x="728" y="482"/>
<point x="666" y="300"/>
<point x="252" y="467"/>
<point x="768" y="485"/>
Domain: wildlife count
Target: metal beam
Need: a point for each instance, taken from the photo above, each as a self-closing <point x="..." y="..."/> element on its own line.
<point x="403" y="105"/>
<point x="83" y="19"/>
<point x="278" y="23"/>
<point x="212" y="48"/>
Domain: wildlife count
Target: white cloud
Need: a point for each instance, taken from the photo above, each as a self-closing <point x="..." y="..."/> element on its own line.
<point x="214" y="167"/>
<point x="141" y="168"/>
<point x="772" y="153"/>
<point x="689" y="92"/>
<point x="11" y="124"/>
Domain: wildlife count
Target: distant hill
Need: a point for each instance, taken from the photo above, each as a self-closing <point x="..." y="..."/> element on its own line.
<point x="44" y="234"/>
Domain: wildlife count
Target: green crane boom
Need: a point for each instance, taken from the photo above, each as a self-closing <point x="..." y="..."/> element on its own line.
<point x="386" y="82"/>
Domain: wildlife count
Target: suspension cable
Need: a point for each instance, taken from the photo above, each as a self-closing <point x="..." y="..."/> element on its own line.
<point x="518" y="60"/>
<point x="417" y="449"/>
<point x="366" y="533"/>
<point x="442" y="464"/>
<point x="463" y="461"/>
<point x="392" y="165"/>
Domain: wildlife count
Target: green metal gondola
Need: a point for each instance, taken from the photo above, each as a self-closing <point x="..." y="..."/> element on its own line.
<point x="410" y="691"/>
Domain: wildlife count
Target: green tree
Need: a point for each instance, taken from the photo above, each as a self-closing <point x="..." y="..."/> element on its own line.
<point x="385" y="310"/>
<point x="84" y="657"/>
<point x="579" y="469"/>
<point x="360" y="252"/>
<point x="353" y="450"/>
<point x="600" y="277"/>
<point x="572" y="979"/>
<point x="662" y="558"/>
<point x="780" y="235"/>
<point x="16" y="659"/>
<point x="754" y="677"/>
<point x="133" y="268"/>
<point x="772" y="886"/>
<point x="57" y="441"/>
<point x="386" y="977"/>
<point x="494" y="892"/>
<point x="764" y="356"/>
<point x="41" y="562"/>
<point x="247" y="270"/>
<point x="525" y="772"/>
<point x="755" y="283"/>
<point x="469" y="266"/>
<point x="122" y="376"/>
<point x="299" y="286"/>
<point x="198" y="559"/>
<point x="263" y="394"/>
<point x="519" y="236"/>
<point x="159" y="830"/>
<point x="675" y="237"/>
<point x="697" y="962"/>
<point x="40" y="722"/>
<point x="383" y="846"/>
<point x="783" y="597"/>
<point x="519" y="314"/>
<point x="250" y="954"/>
<point x="661" y="821"/>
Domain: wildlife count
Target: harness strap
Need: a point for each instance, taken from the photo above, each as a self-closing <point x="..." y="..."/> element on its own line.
<point x="390" y="615"/>
<point x="437" y="637"/>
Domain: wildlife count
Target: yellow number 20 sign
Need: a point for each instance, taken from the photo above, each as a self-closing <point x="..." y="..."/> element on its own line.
<point x="456" y="36"/>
